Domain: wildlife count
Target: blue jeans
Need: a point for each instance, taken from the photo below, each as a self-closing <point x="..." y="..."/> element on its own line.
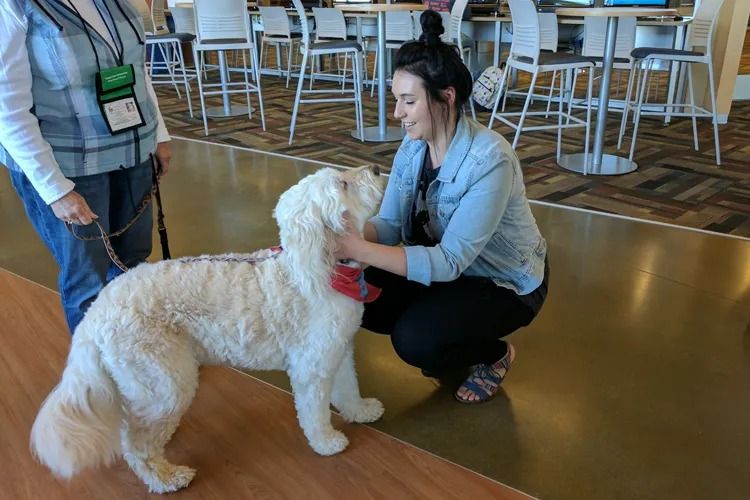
<point x="85" y="266"/>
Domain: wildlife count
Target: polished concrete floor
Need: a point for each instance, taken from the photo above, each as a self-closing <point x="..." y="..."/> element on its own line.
<point x="634" y="381"/>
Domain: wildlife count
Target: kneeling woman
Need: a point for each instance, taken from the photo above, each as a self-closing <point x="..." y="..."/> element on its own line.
<point x="472" y="268"/>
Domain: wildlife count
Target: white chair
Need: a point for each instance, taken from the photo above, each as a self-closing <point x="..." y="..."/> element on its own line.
<point x="526" y="55"/>
<point x="453" y="30"/>
<point x="548" y="32"/>
<point x="330" y="24"/>
<point x="698" y="48"/>
<point x="594" y="37"/>
<point x="452" y="25"/>
<point x="184" y="20"/>
<point x="327" y="47"/>
<point x="548" y="37"/>
<point x="277" y="32"/>
<point x="399" y="28"/>
<point x="169" y="45"/>
<point x="223" y="25"/>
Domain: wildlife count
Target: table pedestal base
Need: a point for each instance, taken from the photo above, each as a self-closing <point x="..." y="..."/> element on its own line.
<point x="611" y="164"/>
<point x="372" y="134"/>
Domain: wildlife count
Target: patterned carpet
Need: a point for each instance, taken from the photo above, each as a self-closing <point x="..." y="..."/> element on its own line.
<point x="674" y="183"/>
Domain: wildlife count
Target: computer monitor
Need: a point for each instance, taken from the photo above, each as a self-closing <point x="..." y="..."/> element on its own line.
<point x="662" y="4"/>
<point x="565" y="3"/>
<point x="308" y="4"/>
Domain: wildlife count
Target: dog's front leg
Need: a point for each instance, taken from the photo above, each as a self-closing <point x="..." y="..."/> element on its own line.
<point x="312" y="398"/>
<point x="345" y="395"/>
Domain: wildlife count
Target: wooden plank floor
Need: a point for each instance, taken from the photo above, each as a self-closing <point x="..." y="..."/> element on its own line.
<point x="241" y="434"/>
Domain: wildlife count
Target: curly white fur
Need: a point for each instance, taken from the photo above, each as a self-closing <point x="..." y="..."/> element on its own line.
<point x="132" y="370"/>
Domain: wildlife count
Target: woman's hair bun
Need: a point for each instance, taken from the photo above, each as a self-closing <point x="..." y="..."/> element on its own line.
<point x="432" y="27"/>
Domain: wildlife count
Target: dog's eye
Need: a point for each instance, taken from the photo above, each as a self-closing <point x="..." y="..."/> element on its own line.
<point x="344" y="184"/>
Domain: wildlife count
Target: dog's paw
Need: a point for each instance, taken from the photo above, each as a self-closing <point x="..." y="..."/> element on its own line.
<point x="368" y="410"/>
<point x="169" y="478"/>
<point x="334" y="442"/>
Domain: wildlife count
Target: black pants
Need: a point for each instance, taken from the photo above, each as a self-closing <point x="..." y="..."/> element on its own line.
<point x="444" y="326"/>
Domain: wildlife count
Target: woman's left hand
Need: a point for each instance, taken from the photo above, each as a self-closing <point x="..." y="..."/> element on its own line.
<point x="348" y="242"/>
<point x="164" y="156"/>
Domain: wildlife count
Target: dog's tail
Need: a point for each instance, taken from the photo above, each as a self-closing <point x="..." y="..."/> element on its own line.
<point x="78" y="424"/>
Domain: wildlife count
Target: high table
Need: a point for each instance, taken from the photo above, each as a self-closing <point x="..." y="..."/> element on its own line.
<point x="600" y="163"/>
<point x="381" y="133"/>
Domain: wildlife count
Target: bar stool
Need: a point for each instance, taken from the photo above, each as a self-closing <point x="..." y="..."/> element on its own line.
<point x="169" y="45"/>
<point x="327" y="47"/>
<point x="699" y="45"/>
<point x="223" y="25"/>
<point x="594" y="37"/>
<point x="276" y="31"/>
<point x="330" y="24"/>
<point x="526" y="55"/>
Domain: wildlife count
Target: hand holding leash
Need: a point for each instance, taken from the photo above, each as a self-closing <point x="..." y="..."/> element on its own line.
<point x="163" y="156"/>
<point x="73" y="209"/>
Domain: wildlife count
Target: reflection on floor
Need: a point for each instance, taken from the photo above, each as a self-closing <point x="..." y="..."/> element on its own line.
<point x="634" y="382"/>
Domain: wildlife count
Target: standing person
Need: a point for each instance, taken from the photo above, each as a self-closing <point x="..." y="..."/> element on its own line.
<point x="472" y="268"/>
<point x="79" y="124"/>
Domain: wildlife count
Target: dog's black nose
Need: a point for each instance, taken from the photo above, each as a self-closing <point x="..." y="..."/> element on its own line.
<point x="376" y="170"/>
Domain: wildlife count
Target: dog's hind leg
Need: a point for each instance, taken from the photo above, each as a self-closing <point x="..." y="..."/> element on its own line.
<point x="345" y="395"/>
<point x="156" y="397"/>
<point x="312" y="398"/>
<point x="143" y="450"/>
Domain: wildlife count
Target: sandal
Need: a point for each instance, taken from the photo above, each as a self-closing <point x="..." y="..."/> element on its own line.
<point x="485" y="380"/>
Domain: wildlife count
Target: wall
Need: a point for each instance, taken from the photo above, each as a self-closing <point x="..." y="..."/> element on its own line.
<point x="729" y="37"/>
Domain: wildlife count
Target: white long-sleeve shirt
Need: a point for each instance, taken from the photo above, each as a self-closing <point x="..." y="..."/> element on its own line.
<point x="19" y="129"/>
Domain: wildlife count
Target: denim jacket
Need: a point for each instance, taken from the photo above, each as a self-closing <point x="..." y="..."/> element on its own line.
<point x="478" y="211"/>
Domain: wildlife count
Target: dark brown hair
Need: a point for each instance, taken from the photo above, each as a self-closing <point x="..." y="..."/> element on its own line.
<point x="437" y="63"/>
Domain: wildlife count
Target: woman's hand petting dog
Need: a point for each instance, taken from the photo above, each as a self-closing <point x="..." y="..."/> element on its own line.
<point x="348" y="242"/>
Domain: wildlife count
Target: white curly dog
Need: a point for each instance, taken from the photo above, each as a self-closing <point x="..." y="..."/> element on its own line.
<point x="132" y="370"/>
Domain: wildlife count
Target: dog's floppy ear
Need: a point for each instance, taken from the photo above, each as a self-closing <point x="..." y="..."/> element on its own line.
<point x="309" y="214"/>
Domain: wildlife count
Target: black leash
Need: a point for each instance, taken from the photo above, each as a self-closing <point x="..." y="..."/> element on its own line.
<point x="162" y="229"/>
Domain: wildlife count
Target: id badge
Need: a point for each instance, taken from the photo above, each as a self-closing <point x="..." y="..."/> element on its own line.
<point x="116" y="97"/>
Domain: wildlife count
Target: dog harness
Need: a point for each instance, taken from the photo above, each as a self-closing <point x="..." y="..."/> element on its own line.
<point x="348" y="277"/>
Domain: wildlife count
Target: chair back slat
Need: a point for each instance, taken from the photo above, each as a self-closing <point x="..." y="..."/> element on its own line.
<point x="595" y="36"/>
<point x="160" y="19"/>
<point x="184" y="19"/>
<point x="399" y="26"/>
<point x="548" y="31"/>
<point x="329" y="23"/>
<point x="700" y="31"/>
<point x="222" y="19"/>
<point x="275" y="21"/>
<point x="526" y="36"/>
<point x="304" y="27"/>
<point x="453" y="28"/>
